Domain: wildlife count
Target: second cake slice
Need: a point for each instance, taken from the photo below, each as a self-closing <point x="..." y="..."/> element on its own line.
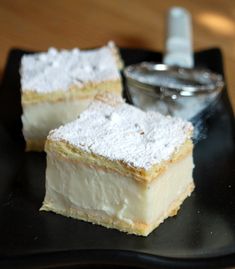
<point x="58" y="85"/>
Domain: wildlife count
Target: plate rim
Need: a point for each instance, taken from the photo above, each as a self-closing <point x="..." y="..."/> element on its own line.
<point x="201" y="261"/>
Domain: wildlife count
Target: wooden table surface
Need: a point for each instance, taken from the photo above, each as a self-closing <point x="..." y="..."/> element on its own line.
<point x="130" y="23"/>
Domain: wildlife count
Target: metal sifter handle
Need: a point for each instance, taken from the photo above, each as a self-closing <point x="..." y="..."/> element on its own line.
<point x="179" y="39"/>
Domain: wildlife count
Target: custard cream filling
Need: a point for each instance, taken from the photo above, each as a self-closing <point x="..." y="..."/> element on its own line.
<point x="96" y="188"/>
<point x="38" y="119"/>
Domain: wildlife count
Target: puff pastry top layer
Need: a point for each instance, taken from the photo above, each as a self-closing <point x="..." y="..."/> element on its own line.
<point x="124" y="138"/>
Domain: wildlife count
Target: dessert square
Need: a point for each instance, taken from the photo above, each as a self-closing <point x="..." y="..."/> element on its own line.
<point x="119" y="167"/>
<point x="57" y="86"/>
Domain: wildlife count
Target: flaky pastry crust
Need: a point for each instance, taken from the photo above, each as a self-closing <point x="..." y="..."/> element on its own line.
<point x="67" y="151"/>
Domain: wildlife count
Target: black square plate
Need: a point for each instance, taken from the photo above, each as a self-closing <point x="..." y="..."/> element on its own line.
<point x="202" y="234"/>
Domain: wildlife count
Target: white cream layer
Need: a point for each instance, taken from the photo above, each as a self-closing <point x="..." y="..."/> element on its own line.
<point x="38" y="119"/>
<point x="118" y="196"/>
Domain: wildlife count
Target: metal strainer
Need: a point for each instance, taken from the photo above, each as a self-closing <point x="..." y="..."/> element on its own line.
<point x="174" y="87"/>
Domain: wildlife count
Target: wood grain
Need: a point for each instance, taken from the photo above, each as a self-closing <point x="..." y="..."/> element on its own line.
<point x="130" y="23"/>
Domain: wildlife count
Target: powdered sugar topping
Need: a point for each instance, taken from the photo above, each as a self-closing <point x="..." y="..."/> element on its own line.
<point x="59" y="70"/>
<point x="125" y="133"/>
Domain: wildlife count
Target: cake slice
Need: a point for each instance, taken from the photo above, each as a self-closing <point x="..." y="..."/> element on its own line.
<point x="119" y="167"/>
<point x="57" y="85"/>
